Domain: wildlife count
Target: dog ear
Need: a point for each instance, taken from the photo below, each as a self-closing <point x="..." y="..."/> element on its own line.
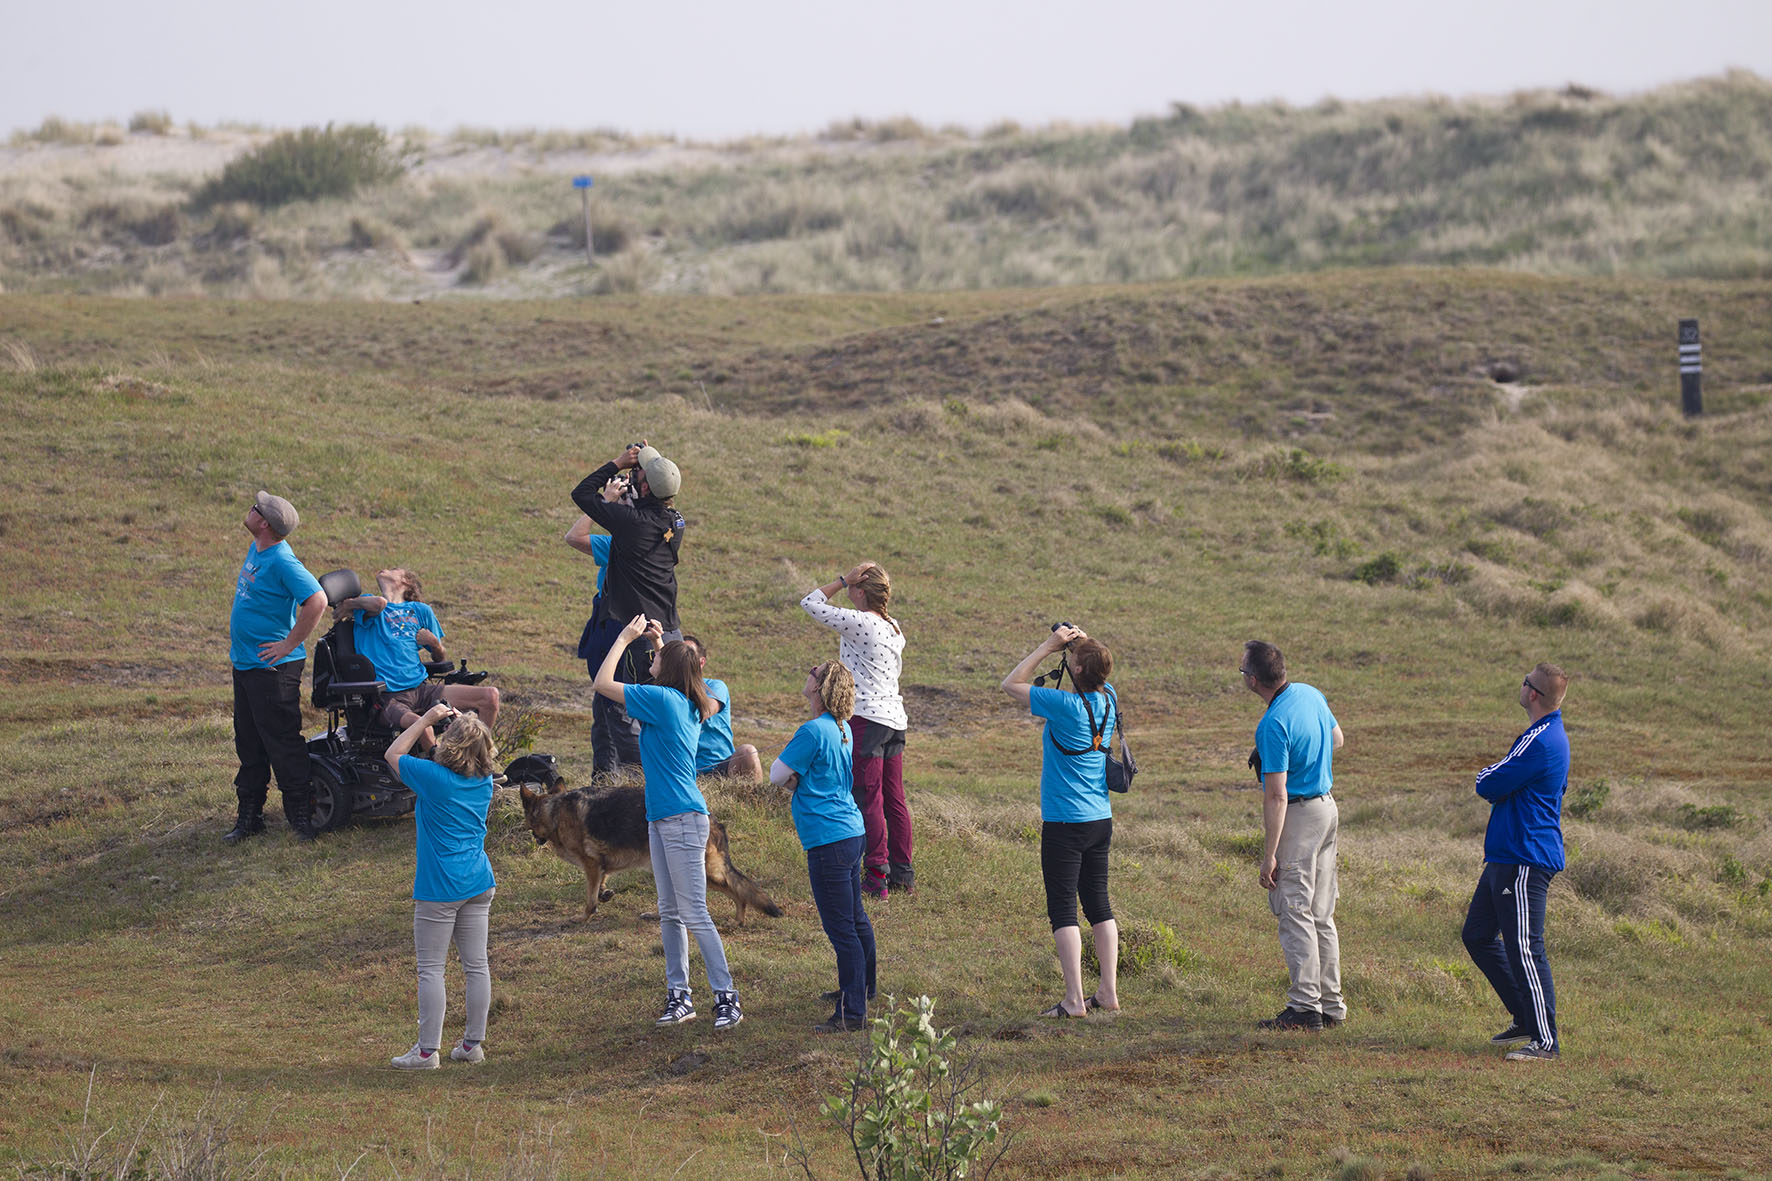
<point x="529" y="797"/>
<point x="557" y="784"/>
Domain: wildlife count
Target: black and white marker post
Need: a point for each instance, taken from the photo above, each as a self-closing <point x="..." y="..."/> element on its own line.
<point x="583" y="185"/>
<point x="1691" y="370"/>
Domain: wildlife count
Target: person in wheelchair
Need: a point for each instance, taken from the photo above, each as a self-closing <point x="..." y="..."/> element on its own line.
<point x="390" y="629"/>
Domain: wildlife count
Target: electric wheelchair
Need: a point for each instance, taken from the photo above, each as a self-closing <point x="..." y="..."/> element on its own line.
<point x="345" y="763"/>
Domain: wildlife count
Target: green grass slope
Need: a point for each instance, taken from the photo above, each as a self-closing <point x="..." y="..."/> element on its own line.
<point x="1319" y="461"/>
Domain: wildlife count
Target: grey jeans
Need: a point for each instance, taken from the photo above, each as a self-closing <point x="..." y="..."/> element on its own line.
<point x="1303" y="899"/>
<point x="434" y="926"/>
<point x="680" y="870"/>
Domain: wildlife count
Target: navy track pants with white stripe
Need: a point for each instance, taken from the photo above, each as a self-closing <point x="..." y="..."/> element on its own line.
<point x="1504" y="933"/>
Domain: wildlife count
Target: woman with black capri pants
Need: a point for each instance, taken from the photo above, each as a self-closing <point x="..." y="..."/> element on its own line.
<point x="1077" y="821"/>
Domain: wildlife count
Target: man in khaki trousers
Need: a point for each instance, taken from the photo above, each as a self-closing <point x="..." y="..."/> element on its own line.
<point x="1295" y="743"/>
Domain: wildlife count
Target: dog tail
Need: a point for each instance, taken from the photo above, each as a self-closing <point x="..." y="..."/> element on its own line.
<point x="742" y="889"/>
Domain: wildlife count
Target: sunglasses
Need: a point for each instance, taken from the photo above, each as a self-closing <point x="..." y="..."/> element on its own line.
<point x="1528" y="684"/>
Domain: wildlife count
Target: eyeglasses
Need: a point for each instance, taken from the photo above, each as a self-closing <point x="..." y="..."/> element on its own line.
<point x="1528" y="684"/>
<point x="1244" y="671"/>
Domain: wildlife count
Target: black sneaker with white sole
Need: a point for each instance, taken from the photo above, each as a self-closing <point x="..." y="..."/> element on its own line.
<point x="1290" y="1018"/>
<point x="678" y="1008"/>
<point x="726" y="1010"/>
<point x="1514" y="1035"/>
<point x="1533" y="1052"/>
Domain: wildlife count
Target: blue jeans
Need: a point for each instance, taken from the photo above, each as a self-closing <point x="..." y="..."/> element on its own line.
<point x="835" y="872"/>
<point x="1504" y="933"/>
<point x="680" y="871"/>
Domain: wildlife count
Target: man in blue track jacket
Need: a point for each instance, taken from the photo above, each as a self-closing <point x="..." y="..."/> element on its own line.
<point x="1522" y="851"/>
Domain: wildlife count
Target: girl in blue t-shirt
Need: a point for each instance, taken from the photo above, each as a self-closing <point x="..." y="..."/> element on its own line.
<point x="1077" y="822"/>
<point x="452" y="885"/>
<point x="816" y="766"/>
<point x="671" y="711"/>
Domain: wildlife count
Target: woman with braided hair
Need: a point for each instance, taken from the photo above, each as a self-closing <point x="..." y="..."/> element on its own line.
<point x="871" y="645"/>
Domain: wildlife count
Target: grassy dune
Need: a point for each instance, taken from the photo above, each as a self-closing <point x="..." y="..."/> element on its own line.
<point x="1321" y="461"/>
<point x="1670" y="183"/>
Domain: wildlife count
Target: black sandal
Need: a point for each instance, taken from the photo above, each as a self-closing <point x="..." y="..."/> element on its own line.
<point x="1059" y="1010"/>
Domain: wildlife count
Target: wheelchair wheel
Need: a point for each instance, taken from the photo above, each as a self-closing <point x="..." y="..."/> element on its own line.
<point x="332" y="799"/>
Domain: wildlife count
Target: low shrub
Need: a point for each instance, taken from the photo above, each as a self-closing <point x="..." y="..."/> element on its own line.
<point x="1295" y="464"/>
<point x="909" y="1110"/>
<point x="1714" y="816"/>
<point x="1588" y="799"/>
<point x="233" y="222"/>
<point x="152" y="122"/>
<point x="131" y="222"/>
<point x="369" y="234"/>
<point x="1145" y="946"/>
<point x="1383" y="568"/>
<point x="306" y="165"/>
<point x="1189" y="451"/>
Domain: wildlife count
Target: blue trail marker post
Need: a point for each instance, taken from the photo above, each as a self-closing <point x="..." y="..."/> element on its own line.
<point x="1691" y="370"/>
<point x="583" y="185"/>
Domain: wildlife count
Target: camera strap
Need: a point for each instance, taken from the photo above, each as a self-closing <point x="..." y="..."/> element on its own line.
<point x="1096" y="733"/>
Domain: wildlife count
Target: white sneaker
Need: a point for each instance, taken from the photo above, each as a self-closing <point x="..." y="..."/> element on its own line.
<point x="417" y="1059"/>
<point x="461" y="1053"/>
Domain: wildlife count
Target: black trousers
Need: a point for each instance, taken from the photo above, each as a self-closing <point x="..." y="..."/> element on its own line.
<point x="615" y="737"/>
<point x="267" y="736"/>
<point x="1074" y="862"/>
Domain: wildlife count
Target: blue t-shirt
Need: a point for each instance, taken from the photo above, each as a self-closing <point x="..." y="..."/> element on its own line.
<point x="670" y="728"/>
<point x="1297" y="735"/>
<point x="824" y="801"/>
<point x="451" y="813"/>
<point x="390" y="641"/>
<point x="716" y="733"/>
<point x="267" y="598"/>
<point x="600" y="555"/>
<point x="1073" y="788"/>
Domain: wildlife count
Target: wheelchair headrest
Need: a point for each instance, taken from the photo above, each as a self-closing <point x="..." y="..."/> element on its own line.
<point x="340" y="585"/>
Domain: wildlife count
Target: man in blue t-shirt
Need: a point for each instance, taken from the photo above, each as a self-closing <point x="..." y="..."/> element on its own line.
<point x="716" y="755"/>
<point x="1295" y="744"/>
<point x="1522" y="852"/>
<point x="277" y="602"/>
<point x="390" y="628"/>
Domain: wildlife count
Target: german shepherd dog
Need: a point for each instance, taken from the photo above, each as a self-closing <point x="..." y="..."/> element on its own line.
<point x="603" y="829"/>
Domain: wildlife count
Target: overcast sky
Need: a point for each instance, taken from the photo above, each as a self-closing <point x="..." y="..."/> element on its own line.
<point x="725" y="68"/>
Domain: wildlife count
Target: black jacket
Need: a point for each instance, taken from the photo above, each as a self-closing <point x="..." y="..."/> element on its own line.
<point x="644" y="540"/>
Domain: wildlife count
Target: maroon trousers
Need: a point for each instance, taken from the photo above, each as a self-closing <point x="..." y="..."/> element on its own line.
<point x="879" y="793"/>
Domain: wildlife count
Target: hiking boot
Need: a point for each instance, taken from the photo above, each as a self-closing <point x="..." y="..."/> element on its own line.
<point x="1514" y="1035"/>
<point x="249" y="822"/>
<point x="1331" y="1022"/>
<point x="901" y="878"/>
<point x="873" y="885"/>
<point x="837" y="1023"/>
<point x="726" y="1010"/>
<point x="678" y="1008"/>
<point x="300" y="815"/>
<point x="417" y="1059"/>
<point x="462" y="1052"/>
<point x="1533" y="1052"/>
<point x="1290" y="1018"/>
